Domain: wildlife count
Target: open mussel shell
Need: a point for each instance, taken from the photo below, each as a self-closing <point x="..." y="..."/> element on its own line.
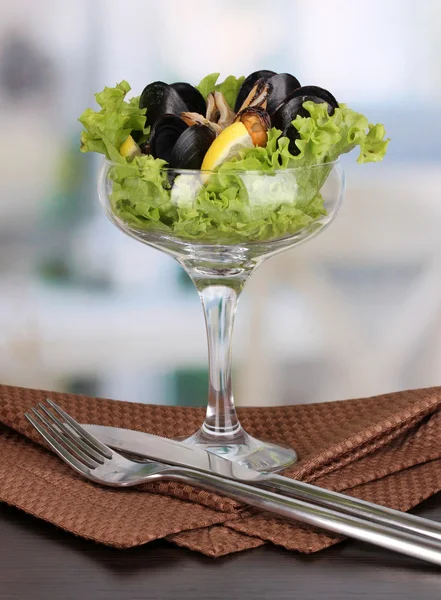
<point x="191" y="96"/>
<point x="165" y="133"/>
<point x="319" y="92"/>
<point x="159" y="99"/>
<point x="248" y="85"/>
<point x="293" y="105"/>
<point x="282" y="86"/>
<point x="289" y="110"/>
<point x="191" y="147"/>
<point x="258" y="96"/>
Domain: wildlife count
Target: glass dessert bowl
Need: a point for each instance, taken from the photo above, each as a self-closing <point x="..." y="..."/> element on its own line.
<point x="220" y="226"/>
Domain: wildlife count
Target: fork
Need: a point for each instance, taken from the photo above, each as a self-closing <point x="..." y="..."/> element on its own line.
<point x="102" y="465"/>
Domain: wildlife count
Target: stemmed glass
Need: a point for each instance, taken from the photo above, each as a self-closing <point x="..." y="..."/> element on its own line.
<point x="219" y="265"/>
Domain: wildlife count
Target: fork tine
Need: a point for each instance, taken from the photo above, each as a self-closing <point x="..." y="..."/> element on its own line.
<point x="104" y="450"/>
<point x="72" y="435"/>
<point x="58" y="448"/>
<point x="92" y="464"/>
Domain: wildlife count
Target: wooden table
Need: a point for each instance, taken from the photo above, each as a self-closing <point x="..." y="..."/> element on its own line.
<point x="41" y="562"/>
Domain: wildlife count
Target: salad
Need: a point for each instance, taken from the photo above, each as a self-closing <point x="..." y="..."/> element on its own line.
<point x="180" y="155"/>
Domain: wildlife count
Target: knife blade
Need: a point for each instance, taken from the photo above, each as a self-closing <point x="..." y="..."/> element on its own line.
<point x="148" y="445"/>
<point x="173" y="452"/>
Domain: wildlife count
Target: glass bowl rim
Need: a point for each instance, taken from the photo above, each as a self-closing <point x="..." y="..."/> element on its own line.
<point x="333" y="163"/>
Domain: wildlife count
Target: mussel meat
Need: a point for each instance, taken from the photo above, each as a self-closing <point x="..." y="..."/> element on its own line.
<point x="159" y="99"/>
<point x="191" y="147"/>
<point x="248" y="84"/>
<point x="193" y="118"/>
<point x="213" y="112"/>
<point x="219" y="111"/>
<point x="191" y="96"/>
<point x="282" y="85"/>
<point x="164" y="135"/>
<point x="257" y="121"/>
<point x="226" y="115"/>
<point x="258" y="95"/>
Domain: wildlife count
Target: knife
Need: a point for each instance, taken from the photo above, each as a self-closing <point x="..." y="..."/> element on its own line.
<point x="169" y="451"/>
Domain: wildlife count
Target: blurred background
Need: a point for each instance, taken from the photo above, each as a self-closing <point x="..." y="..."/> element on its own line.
<point x="354" y="312"/>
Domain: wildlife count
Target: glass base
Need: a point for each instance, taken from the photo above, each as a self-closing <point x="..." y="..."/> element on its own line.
<point x="248" y="451"/>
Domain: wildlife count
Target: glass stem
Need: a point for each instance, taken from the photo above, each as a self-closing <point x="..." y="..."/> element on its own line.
<point x="220" y="304"/>
<point x="219" y="281"/>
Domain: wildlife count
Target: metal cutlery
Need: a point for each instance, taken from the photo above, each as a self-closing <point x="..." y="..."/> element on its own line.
<point x="177" y="453"/>
<point x="99" y="463"/>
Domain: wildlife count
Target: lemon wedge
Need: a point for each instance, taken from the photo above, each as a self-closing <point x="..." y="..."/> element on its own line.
<point x="129" y="148"/>
<point x="227" y="145"/>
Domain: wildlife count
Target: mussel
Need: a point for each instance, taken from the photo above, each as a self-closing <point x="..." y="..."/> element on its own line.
<point x="293" y="106"/>
<point x="282" y="85"/>
<point x="164" y="135"/>
<point x="226" y="115"/>
<point x="318" y="92"/>
<point x="248" y="84"/>
<point x="257" y="96"/>
<point x="292" y="134"/>
<point x="191" y="147"/>
<point x="191" y="96"/>
<point x="213" y="112"/>
<point x="193" y="118"/>
<point x="257" y="121"/>
<point x="159" y="99"/>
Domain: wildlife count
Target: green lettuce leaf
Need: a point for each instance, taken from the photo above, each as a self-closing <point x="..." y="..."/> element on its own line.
<point x="106" y="130"/>
<point x="228" y="208"/>
<point x="208" y="84"/>
<point x="229" y="88"/>
<point x="324" y="138"/>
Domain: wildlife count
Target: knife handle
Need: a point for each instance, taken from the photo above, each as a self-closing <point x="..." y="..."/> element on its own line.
<point x="385" y="536"/>
<point x="353" y="506"/>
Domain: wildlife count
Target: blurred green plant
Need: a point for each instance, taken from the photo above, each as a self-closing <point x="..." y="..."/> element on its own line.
<point x="65" y="209"/>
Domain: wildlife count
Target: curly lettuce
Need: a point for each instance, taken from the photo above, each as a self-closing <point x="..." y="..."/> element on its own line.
<point x="229" y="87"/>
<point x="323" y="138"/>
<point x="257" y="196"/>
<point x="105" y="131"/>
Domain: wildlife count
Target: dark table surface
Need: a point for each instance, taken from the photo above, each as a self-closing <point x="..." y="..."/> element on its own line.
<point x="39" y="561"/>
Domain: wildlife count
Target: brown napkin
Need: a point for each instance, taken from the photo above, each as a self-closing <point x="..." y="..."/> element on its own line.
<point x="384" y="449"/>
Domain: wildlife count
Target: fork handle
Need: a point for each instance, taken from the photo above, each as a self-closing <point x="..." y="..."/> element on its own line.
<point x="380" y="534"/>
<point x="353" y="506"/>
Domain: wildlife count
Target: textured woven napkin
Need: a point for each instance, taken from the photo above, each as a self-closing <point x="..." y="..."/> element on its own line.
<point x="385" y="449"/>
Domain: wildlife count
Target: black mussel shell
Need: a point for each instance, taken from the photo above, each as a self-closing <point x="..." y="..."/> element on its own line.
<point x="136" y="135"/>
<point x="248" y="84"/>
<point x="292" y="134"/>
<point x="165" y="133"/>
<point x="191" y="147"/>
<point x="159" y="99"/>
<point x="315" y="90"/>
<point x="289" y="110"/>
<point x="191" y="96"/>
<point x="293" y="105"/>
<point x="282" y="85"/>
